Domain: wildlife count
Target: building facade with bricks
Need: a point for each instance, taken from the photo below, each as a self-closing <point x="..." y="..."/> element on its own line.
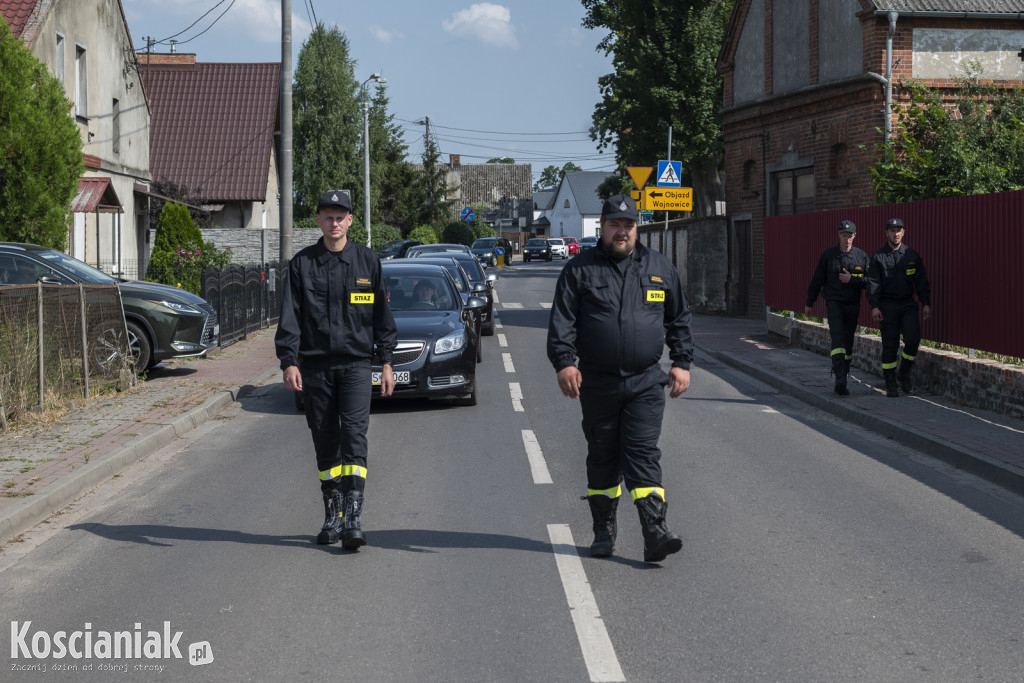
<point x="809" y="86"/>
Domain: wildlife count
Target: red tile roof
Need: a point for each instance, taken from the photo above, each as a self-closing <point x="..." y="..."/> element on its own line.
<point x="213" y="126"/>
<point x="95" y="194"/>
<point x="17" y="12"/>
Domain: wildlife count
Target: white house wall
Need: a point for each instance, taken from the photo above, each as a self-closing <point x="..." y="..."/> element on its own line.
<point x="98" y="26"/>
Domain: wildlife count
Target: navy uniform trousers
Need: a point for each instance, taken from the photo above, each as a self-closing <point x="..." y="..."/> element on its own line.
<point x="622" y="423"/>
<point x="899" y="317"/>
<point x="338" y="415"/>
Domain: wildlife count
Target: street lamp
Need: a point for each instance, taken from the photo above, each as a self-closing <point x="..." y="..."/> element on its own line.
<point x="366" y="156"/>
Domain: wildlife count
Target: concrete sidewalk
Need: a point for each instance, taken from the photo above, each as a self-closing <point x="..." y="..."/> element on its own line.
<point x="985" y="443"/>
<point x="43" y="469"/>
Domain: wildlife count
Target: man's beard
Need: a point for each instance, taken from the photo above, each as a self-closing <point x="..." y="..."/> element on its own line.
<point x="616" y="251"/>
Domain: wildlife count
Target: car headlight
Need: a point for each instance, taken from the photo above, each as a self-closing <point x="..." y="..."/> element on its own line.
<point x="450" y="343"/>
<point x="175" y="306"/>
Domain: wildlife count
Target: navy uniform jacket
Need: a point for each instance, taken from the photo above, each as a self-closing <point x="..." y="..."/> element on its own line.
<point x="894" y="276"/>
<point x="619" y="324"/>
<point x="334" y="309"/>
<point x="831" y="263"/>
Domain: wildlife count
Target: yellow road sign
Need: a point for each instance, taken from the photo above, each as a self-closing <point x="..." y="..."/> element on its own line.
<point x="639" y="174"/>
<point x="667" y="199"/>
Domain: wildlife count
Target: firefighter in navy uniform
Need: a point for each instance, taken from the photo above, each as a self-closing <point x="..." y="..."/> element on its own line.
<point x="895" y="274"/>
<point x="615" y="308"/>
<point x="334" y="310"/>
<point x="841" y="272"/>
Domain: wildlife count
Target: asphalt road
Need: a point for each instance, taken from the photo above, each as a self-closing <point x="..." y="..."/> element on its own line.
<point x="813" y="550"/>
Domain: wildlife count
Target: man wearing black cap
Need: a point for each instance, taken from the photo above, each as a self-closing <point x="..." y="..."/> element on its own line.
<point x="615" y="308"/>
<point x="841" y="272"/>
<point x="334" y="310"/>
<point x="895" y="274"/>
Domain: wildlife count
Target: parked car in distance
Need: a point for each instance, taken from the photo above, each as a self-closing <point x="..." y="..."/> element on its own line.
<point x="462" y="283"/>
<point x="484" y="248"/>
<point x="422" y="249"/>
<point x="588" y="243"/>
<point x="482" y="285"/>
<point x="162" y="321"/>
<point x="395" y="248"/>
<point x="573" y="245"/>
<point x="537" y="248"/>
<point x="558" y="247"/>
<point x="436" y="353"/>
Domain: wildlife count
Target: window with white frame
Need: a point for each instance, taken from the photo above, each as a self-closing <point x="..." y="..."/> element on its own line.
<point x="81" y="82"/>
<point x="58" y="59"/>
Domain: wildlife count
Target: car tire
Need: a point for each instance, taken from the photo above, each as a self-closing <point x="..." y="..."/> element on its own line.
<point x="526" y="259"/>
<point x="480" y="347"/>
<point x="106" y="351"/>
<point x="488" y="329"/>
<point x="140" y="347"/>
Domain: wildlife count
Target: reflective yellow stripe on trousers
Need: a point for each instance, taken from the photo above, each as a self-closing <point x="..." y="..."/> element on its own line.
<point x="643" y="493"/>
<point x="343" y="471"/>
<point x="613" y="492"/>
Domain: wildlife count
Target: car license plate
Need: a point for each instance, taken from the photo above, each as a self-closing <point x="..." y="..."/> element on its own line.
<point x="401" y="377"/>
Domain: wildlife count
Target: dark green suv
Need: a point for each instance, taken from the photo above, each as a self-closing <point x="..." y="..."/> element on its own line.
<point x="162" y="321"/>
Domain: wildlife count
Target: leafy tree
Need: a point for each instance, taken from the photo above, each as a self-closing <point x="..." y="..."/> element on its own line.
<point x="327" y="121"/>
<point x="478" y="225"/>
<point x="395" y="197"/>
<point x="175" y="229"/>
<point x="458" y="232"/>
<point x="424" y="233"/>
<point x="938" y="150"/>
<point x="552" y="175"/>
<point x="40" y="149"/>
<point x="179" y="253"/>
<point x="433" y="183"/>
<point x="664" y="54"/>
<point x="501" y="160"/>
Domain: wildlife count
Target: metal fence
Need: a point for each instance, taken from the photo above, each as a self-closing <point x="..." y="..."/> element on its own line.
<point x="971" y="248"/>
<point x="57" y="342"/>
<point x="247" y="298"/>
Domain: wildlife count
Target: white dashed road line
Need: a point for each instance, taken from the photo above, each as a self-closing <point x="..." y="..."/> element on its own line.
<point x="506" y="358"/>
<point x="538" y="467"/>
<point x="511" y="306"/>
<point x="502" y="341"/>
<point x="517" y="396"/>
<point x="596" y="645"/>
<point x="544" y="304"/>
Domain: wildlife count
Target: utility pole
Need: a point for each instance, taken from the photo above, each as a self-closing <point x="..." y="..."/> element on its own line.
<point x="285" y="246"/>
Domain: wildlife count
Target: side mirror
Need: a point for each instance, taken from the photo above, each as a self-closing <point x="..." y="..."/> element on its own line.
<point x="475" y="303"/>
<point x="492" y="278"/>
<point x="479" y="287"/>
<point x="49" y="279"/>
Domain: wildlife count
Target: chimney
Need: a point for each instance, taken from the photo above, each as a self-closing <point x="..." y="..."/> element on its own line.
<point x="165" y="58"/>
<point x="455" y="160"/>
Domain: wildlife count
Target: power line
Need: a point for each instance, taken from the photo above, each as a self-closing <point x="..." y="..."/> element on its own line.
<point x="164" y="41"/>
<point x="496" y="132"/>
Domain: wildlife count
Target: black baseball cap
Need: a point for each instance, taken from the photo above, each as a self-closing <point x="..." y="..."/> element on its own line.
<point x="893" y="223"/>
<point x="619" y="206"/>
<point x="338" y="198"/>
<point x="847" y="226"/>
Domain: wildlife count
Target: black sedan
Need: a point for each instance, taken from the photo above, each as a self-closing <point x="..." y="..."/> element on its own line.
<point x="437" y="346"/>
<point x="481" y="285"/>
<point x="537" y="248"/>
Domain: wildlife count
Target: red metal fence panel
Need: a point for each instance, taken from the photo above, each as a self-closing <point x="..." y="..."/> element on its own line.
<point x="972" y="248"/>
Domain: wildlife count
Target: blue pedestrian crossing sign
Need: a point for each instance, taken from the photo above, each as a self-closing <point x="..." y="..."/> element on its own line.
<point x="467" y="214"/>
<point x="669" y="173"/>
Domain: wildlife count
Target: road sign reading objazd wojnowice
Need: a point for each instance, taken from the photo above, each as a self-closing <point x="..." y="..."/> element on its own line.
<point x="667" y="199"/>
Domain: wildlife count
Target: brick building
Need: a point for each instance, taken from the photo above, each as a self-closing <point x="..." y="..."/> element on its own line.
<point x="809" y="85"/>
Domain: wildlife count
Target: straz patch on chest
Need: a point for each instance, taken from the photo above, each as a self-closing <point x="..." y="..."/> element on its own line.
<point x="656" y="295"/>
<point x="361" y="298"/>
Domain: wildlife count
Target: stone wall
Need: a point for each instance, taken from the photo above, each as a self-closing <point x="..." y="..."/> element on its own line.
<point x="257" y="246"/>
<point x="977" y="382"/>
<point x="699" y="249"/>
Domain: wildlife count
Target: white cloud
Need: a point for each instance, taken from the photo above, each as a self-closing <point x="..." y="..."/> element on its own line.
<point x="487" y="22"/>
<point x="384" y="35"/>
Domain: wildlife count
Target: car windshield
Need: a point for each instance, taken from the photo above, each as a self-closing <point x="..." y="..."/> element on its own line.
<point x="80" y="270"/>
<point x="485" y="243"/>
<point x="588" y="240"/>
<point x="537" y="243"/>
<point x="472" y="268"/>
<point x="421" y="292"/>
<point x="556" y="242"/>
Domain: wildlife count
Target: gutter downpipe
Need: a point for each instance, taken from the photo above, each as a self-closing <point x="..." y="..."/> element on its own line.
<point x="893" y="16"/>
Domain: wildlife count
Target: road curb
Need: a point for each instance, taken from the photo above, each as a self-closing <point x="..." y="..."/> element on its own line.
<point x="34" y="509"/>
<point x="1000" y="473"/>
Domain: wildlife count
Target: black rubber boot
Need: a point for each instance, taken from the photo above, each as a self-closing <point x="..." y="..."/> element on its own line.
<point x="890" y="383"/>
<point x="905" y="367"/>
<point x="659" y="542"/>
<point x="352" y="532"/>
<point x="330" y="532"/>
<point x="603" y="509"/>
<point x="839" y="370"/>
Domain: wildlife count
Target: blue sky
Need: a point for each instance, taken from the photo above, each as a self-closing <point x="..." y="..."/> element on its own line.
<point x="516" y="78"/>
